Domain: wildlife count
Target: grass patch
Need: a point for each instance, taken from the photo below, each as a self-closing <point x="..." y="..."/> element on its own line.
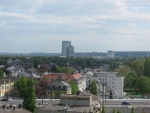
<point x="131" y="93"/>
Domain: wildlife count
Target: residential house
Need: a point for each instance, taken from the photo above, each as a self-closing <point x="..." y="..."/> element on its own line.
<point x="55" y="86"/>
<point x="5" y="86"/>
<point x="78" y="78"/>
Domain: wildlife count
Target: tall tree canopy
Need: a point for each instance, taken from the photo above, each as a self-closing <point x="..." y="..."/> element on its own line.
<point x="130" y="80"/>
<point x="138" y="66"/>
<point x="27" y="91"/>
<point x="143" y="85"/>
<point x="1" y="74"/>
<point x="93" y="88"/>
<point x="74" y="87"/>
<point x="147" y="67"/>
<point x="35" y="64"/>
<point x="21" y="84"/>
<point x="124" y="70"/>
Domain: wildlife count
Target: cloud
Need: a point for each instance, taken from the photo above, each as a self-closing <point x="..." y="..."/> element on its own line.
<point x="90" y="25"/>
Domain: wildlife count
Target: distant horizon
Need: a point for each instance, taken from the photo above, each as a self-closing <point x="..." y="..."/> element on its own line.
<point x="75" y="52"/>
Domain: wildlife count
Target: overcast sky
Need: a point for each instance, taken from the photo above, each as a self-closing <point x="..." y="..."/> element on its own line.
<point x="91" y="25"/>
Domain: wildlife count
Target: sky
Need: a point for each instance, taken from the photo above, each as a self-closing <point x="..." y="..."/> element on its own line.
<point x="91" y="25"/>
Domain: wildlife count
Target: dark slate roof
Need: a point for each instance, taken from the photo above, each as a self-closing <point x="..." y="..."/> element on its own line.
<point x="59" y="85"/>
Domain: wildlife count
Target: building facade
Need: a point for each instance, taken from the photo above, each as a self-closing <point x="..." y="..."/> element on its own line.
<point x="5" y="88"/>
<point x="70" y="51"/>
<point x="52" y="89"/>
<point x="111" y="54"/>
<point x="110" y="80"/>
<point x="64" y="47"/>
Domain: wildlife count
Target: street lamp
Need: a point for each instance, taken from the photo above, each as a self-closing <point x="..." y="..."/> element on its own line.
<point x="51" y="89"/>
<point x="42" y="91"/>
<point x="104" y="90"/>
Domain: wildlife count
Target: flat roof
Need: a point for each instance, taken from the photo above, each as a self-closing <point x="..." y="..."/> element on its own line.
<point x="54" y="106"/>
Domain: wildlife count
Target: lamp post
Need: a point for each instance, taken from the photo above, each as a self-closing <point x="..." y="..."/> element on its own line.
<point x="42" y="91"/>
<point x="104" y="91"/>
<point x="51" y="89"/>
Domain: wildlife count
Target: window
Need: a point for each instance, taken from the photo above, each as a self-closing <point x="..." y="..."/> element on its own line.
<point x="113" y="86"/>
<point x="113" y="78"/>
<point x="56" y="87"/>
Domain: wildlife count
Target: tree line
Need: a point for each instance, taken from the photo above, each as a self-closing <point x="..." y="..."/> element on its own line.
<point x="137" y="75"/>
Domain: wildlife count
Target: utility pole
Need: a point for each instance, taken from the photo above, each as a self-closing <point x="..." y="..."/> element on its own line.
<point x="51" y="89"/>
<point x="42" y="91"/>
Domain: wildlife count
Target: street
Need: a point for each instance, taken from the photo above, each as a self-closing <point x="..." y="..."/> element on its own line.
<point x="107" y="103"/>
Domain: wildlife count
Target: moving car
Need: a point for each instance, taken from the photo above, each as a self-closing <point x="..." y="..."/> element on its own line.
<point x="125" y="103"/>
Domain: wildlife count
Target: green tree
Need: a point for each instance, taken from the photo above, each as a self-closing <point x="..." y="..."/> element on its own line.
<point x="1" y="74"/>
<point x="35" y="64"/>
<point x="147" y="67"/>
<point x="58" y="94"/>
<point x="21" y="85"/>
<point x="103" y="109"/>
<point x="132" y="110"/>
<point x="119" y="111"/>
<point x="74" y="87"/>
<point x="138" y="66"/>
<point x="124" y="70"/>
<point x="130" y="80"/>
<point x="29" y="100"/>
<point x="93" y="88"/>
<point x="26" y="88"/>
<point x="114" y="110"/>
<point x="14" y="92"/>
<point x="66" y="70"/>
<point x="143" y="85"/>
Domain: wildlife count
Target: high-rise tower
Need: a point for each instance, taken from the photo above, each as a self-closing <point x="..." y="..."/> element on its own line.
<point x="70" y="51"/>
<point x="65" y="44"/>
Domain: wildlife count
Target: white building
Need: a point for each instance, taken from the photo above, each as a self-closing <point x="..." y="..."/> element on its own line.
<point x="111" y="54"/>
<point x="111" y="81"/>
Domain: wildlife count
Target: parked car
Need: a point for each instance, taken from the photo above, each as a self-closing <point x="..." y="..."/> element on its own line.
<point x="4" y="99"/>
<point x="125" y="103"/>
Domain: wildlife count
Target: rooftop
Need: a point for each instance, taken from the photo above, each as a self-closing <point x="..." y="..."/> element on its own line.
<point x="55" y="106"/>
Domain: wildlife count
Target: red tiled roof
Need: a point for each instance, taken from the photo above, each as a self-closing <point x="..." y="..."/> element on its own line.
<point x="68" y="78"/>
